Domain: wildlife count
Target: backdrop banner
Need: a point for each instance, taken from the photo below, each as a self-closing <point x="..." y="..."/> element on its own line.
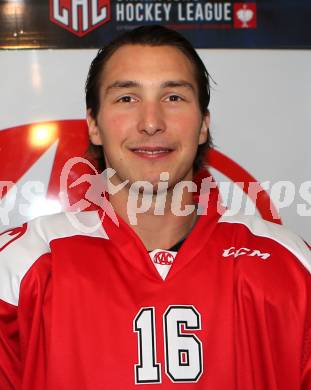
<point x="207" y="24"/>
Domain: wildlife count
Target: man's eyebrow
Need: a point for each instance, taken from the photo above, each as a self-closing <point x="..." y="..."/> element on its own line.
<point x="119" y="84"/>
<point x="178" y="84"/>
<point x="123" y="84"/>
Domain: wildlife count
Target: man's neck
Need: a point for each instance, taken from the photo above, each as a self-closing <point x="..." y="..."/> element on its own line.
<point x="156" y="231"/>
<point x="162" y="232"/>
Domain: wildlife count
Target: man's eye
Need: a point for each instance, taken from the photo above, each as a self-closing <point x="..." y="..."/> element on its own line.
<point x="174" y="98"/>
<point x="125" y="99"/>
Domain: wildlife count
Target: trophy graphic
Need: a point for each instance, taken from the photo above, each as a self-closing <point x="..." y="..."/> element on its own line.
<point x="245" y="15"/>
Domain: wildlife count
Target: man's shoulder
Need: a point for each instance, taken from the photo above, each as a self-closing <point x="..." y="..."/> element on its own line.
<point x="251" y="230"/>
<point x="50" y="227"/>
<point x="22" y="246"/>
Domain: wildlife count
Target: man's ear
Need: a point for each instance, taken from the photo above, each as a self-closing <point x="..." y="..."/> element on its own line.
<point x="94" y="132"/>
<point x="204" y="129"/>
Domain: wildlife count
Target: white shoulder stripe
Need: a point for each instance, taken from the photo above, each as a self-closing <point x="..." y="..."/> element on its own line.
<point x="17" y="258"/>
<point x="275" y="232"/>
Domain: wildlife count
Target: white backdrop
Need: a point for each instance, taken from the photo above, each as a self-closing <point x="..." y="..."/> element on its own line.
<point x="260" y="107"/>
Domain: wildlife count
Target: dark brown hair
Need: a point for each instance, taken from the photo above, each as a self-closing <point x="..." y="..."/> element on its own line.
<point x="152" y="35"/>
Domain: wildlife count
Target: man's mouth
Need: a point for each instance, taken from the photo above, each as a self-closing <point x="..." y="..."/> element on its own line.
<point x="151" y="151"/>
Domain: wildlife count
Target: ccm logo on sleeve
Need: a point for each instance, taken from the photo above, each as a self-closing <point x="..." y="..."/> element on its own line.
<point x="245" y="251"/>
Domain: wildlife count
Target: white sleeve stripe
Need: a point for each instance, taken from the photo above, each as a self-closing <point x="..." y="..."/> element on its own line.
<point x="275" y="232"/>
<point x="17" y="258"/>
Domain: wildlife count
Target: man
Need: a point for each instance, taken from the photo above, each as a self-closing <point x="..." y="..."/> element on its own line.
<point x="218" y="303"/>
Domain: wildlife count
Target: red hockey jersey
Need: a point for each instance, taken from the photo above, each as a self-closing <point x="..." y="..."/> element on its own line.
<point x="88" y="310"/>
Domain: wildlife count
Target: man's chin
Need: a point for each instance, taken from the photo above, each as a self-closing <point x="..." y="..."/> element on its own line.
<point x="145" y="185"/>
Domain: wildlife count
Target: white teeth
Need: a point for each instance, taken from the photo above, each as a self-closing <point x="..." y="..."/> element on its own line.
<point x="151" y="151"/>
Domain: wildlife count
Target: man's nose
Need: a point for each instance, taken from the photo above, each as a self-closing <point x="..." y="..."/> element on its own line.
<point x="151" y="118"/>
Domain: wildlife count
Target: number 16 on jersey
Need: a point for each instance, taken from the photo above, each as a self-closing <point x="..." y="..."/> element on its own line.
<point x="183" y="351"/>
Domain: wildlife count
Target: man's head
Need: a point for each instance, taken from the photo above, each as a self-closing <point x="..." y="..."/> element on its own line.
<point x="160" y="45"/>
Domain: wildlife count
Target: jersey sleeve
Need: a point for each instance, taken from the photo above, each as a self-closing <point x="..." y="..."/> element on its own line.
<point x="306" y="353"/>
<point x="10" y="362"/>
<point x="13" y="266"/>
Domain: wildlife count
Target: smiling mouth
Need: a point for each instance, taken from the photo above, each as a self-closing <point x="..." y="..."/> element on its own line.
<point x="151" y="152"/>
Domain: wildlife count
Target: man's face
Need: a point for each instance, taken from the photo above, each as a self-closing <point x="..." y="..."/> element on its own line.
<point x="149" y="120"/>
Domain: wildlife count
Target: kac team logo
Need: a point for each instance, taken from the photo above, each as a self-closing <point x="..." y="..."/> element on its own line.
<point x="80" y="16"/>
<point x="163" y="258"/>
